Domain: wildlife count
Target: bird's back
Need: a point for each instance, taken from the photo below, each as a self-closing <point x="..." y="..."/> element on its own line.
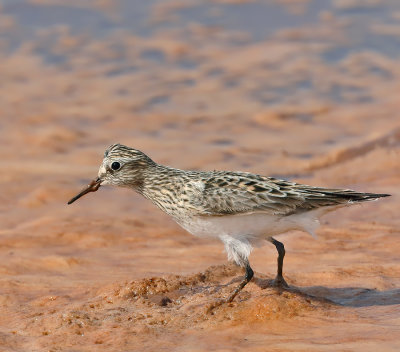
<point x="221" y="193"/>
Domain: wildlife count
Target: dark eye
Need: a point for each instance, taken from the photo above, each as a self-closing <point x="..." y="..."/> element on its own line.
<point x="115" y="165"/>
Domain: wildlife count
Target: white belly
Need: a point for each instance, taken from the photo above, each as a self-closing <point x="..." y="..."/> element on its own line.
<point x="253" y="225"/>
<point x="240" y="233"/>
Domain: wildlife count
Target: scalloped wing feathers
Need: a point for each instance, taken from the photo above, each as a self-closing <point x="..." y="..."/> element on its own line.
<point x="238" y="193"/>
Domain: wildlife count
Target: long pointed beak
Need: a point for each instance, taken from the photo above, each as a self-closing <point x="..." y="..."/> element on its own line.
<point x="93" y="186"/>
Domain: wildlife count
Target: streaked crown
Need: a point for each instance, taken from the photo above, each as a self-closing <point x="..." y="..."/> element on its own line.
<point x="124" y="166"/>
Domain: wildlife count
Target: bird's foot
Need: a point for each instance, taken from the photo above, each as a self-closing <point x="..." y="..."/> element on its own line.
<point x="279" y="282"/>
<point x="216" y="304"/>
<point x="220" y="302"/>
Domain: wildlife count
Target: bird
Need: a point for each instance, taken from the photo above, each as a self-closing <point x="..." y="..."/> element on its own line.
<point x="241" y="209"/>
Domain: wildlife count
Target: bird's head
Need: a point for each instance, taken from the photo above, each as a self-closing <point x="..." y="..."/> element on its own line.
<point x="121" y="166"/>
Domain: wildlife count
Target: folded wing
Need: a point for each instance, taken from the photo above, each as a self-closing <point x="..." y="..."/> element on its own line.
<point x="238" y="193"/>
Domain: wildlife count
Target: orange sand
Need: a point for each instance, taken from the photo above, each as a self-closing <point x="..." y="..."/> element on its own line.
<point x="314" y="101"/>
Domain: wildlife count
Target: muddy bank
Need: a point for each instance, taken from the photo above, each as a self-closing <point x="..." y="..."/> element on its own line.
<point x="304" y="90"/>
<point x="177" y="312"/>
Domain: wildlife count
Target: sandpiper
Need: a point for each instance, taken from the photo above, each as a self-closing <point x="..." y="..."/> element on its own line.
<point x="242" y="209"/>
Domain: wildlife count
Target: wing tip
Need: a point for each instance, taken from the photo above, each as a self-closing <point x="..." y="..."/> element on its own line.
<point x="377" y="195"/>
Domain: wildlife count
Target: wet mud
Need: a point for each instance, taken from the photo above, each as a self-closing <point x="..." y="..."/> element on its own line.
<point x="303" y="90"/>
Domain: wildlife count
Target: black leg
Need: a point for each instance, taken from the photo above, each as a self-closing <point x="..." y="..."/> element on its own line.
<point x="248" y="276"/>
<point x="279" y="280"/>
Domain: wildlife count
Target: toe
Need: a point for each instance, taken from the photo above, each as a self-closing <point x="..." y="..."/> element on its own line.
<point x="279" y="282"/>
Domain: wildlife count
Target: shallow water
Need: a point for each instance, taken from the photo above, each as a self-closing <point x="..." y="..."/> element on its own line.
<point x="305" y="90"/>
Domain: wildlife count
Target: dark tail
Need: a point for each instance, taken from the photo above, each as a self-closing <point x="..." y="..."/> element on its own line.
<point x="353" y="196"/>
<point x="369" y="196"/>
<point x="327" y="197"/>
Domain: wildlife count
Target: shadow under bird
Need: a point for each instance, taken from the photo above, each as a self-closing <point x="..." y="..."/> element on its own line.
<point x="242" y="209"/>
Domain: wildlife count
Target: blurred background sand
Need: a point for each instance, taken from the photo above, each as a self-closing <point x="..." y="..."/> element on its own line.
<point x="306" y="90"/>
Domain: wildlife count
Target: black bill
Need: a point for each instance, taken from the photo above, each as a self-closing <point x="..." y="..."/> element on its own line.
<point x="93" y="186"/>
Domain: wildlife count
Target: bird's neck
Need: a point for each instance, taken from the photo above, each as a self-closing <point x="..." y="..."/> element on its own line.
<point x="160" y="181"/>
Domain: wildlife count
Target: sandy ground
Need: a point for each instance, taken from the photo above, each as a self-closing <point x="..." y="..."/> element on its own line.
<point x="304" y="90"/>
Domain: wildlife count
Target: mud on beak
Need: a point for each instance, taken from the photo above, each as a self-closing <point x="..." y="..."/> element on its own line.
<point x="93" y="186"/>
